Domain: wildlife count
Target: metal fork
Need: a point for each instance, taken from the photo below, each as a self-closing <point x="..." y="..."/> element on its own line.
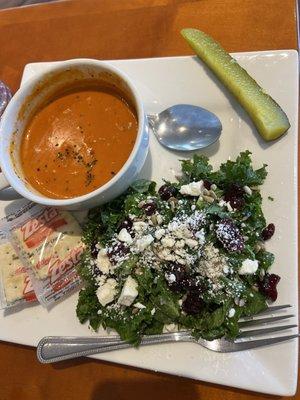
<point x="58" y="348"/>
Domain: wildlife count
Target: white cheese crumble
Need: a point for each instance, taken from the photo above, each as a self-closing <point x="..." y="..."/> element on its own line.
<point x="231" y="313"/>
<point x="140" y="226"/>
<point x="140" y="306"/>
<point x="191" y="243"/>
<point x="159" y="233"/>
<point x="212" y="263"/>
<point x="106" y="293"/>
<point x="124" y="236"/>
<point x="129" y="292"/>
<point x="153" y="311"/>
<point x="142" y="243"/>
<point x="103" y="262"/>
<point x="170" y="278"/>
<point x="192" y="189"/>
<point x="248" y="267"/>
<point x="167" y="241"/>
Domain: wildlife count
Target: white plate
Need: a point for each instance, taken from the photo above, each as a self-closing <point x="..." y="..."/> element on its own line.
<point x="166" y="81"/>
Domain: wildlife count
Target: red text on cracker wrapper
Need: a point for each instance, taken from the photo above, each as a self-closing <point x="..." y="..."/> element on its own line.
<point x="28" y="291"/>
<point x="59" y="267"/>
<point x="59" y="285"/>
<point x="37" y="229"/>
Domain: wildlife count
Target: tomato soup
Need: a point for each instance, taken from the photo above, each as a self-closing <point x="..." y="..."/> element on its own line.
<point x="78" y="141"/>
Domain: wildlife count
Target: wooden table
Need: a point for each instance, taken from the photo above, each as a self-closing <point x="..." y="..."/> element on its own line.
<point x="112" y="29"/>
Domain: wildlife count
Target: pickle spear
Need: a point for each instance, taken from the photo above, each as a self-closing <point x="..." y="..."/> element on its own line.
<point x="268" y="117"/>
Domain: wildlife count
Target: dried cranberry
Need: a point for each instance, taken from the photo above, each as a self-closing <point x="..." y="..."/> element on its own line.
<point x="126" y="223"/>
<point x="234" y="190"/>
<point x="268" y="232"/>
<point x="149" y="208"/>
<point x="167" y="191"/>
<point x="117" y="250"/>
<point x="197" y="286"/>
<point x="237" y="202"/>
<point x="229" y="235"/>
<point x="192" y="304"/>
<point x="94" y="250"/>
<point x="176" y="277"/>
<point x="235" y="195"/>
<point x="268" y="286"/>
<point x="207" y="184"/>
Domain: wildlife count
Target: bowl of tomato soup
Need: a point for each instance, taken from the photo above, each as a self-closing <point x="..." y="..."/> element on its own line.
<point x="74" y="137"/>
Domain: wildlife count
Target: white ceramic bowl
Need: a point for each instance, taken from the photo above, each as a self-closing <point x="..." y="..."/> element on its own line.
<point x="31" y="96"/>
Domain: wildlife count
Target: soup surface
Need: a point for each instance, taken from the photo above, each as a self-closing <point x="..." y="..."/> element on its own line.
<point x="78" y="141"/>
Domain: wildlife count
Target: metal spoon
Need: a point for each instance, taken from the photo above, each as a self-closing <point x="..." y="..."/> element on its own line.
<point x="185" y="127"/>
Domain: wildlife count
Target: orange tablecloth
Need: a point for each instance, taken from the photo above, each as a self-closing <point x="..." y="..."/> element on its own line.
<point x="111" y="29"/>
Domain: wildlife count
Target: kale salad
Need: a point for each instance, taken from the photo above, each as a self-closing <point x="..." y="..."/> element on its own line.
<point x="190" y="255"/>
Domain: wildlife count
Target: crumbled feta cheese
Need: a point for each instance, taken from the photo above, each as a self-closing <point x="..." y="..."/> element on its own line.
<point x="222" y="203"/>
<point x="124" y="236"/>
<point x="139" y="305"/>
<point x="103" y="262"/>
<point x="193" y="208"/>
<point x="140" y="226"/>
<point x="153" y="311"/>
<point x="101" y="279"/>
<point x="129" y="292"/>
<point x="225" y="269"/>
<point x="180" y="301"/>
<point x="170" y="278"/>
<point x="191" y="243"/>
<point x="200" y="235"/>
<point x="192" y="189"/>
<point x="242" y="302"/>
<point x="212" y="263"/>
<point x="179" y="244"/>
<point x="231" y="313"/>
<point x="106" y="293"/>
<point x="167" y="241"/>
<point x="248" y="267"/>
<point x="142" y="243"/>
<point x="159" y="233"/>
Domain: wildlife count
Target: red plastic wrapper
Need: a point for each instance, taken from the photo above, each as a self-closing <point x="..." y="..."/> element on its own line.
<point x="48" y="241"/>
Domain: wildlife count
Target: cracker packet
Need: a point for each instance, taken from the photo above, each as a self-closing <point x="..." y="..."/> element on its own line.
<point x="48" y="241"/>
<point x="15" y="284"/>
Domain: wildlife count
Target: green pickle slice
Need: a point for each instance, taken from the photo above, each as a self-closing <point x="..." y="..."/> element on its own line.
<point x="268" y="117"/>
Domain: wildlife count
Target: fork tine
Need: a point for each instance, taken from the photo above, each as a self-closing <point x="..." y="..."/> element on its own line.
<point x="252" y="344"/>
<point x="264" y="331"/>
<point x="263" y="320"/>
<point x="274" y="308"/>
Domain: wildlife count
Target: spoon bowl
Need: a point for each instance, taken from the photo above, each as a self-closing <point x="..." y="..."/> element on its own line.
<point x="185" y="127"/>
